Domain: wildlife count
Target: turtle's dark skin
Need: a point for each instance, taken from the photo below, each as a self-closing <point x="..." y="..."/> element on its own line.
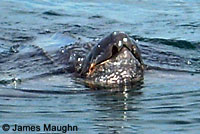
<point x="116" y="59"/>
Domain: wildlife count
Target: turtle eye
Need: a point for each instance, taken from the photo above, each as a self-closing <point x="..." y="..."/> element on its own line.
<point x="114" y="50"/>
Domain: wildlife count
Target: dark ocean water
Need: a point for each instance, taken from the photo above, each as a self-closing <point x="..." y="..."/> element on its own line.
<point x="168" y="34"/>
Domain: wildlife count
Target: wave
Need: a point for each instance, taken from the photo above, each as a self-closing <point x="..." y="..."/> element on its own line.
<point x="54" y="13"/>
<point x="170" y="42"/>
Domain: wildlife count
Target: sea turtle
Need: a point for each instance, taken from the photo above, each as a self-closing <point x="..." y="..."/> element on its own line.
<point x="116" y="59"/>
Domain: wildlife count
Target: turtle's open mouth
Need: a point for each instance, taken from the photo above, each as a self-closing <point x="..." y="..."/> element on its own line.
<point x="115" y="54"/>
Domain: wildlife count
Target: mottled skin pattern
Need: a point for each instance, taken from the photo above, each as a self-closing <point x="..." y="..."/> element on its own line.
<point x="115" y="59"/>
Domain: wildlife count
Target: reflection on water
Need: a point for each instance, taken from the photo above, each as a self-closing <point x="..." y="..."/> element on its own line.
<point x="97" y="111"/>
<point x="116" y="110"/>
<point x="154" y="107"/>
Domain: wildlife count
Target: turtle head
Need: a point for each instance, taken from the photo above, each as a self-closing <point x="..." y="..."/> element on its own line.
<point x="115" y="59"/>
